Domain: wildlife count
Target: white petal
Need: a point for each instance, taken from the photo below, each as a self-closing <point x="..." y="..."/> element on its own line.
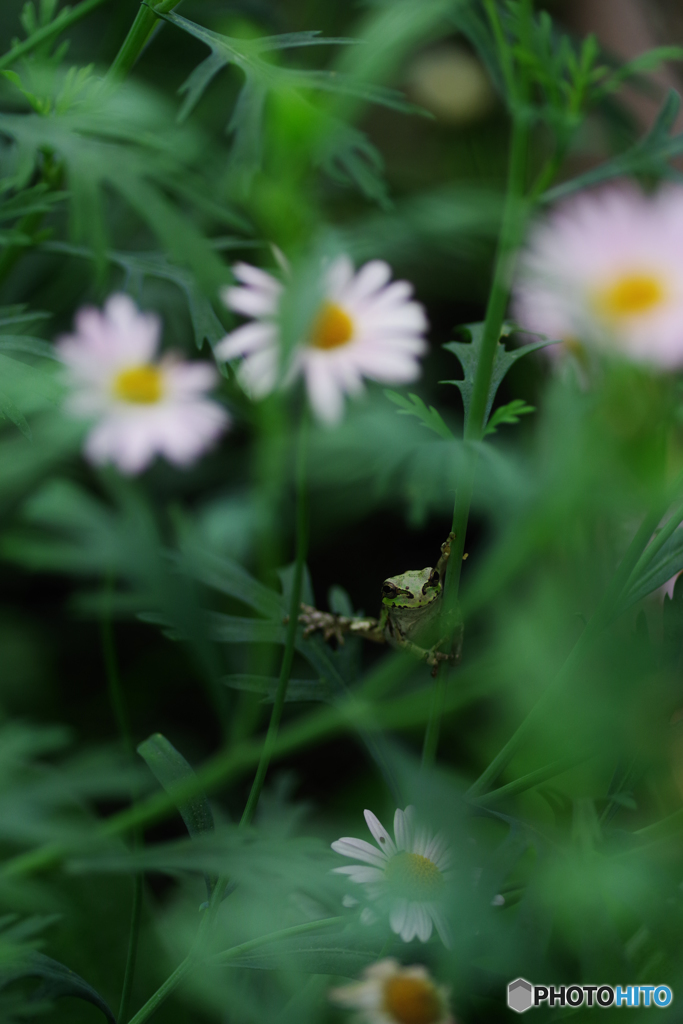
<point x="257" y="278"/>
<point x="339" y="276"/>
<point x="424" y="923"/>
<point x="409" y="930"/>
<point x="441" y="923"/>
<point x="188" y="380"/>
<point x="360" y="850"/>
<point x="388" y="367"/>
<point x="397" y="917"/>
<point x="360" y="873"/>
<point x="246" y="339"/>
<point x="324" y="393"/>
<point x="250" y="301"/>
<point x="258" y="373"/>
<point x="400" y="830"/>
<point x="379" y="833"/>
<point x="370" y="278"/>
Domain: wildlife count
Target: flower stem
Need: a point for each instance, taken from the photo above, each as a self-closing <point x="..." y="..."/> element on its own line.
<point x="292" y="626"/>
<point x="117" y="702"/>
<point x="64" y="20"/>
<point x="133" y="939"/>
<point x="172" y="982"/>
<point x="513" y="220"/>
<point x="137" y="38"/>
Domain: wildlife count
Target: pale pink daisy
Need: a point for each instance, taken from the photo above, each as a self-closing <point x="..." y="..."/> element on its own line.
<point x="365" y="326"/>
<point x="405" y="875"/>
<point x="140" y="407"/>
<point x="392" y="994"/>
<point x="606" y="268"/>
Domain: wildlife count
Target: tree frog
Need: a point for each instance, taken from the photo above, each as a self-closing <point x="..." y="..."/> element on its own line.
<point x="411" y="605"/>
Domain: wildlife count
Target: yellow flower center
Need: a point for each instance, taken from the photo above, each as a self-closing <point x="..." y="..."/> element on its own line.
<point x="630" y="295"/>
<point x="412" y="1001"/>
<point x="142" y="385"/>
<point x="332" y="327"/>
<point x="413" y="876"/>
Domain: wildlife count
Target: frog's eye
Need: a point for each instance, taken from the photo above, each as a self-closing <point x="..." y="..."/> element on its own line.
<point x="433" y="581"/>
<point x="389" y="590"/>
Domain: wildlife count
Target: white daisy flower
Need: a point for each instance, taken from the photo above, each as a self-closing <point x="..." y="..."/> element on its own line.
<point x="391" y="994"/>
<point x="141" y="407"/>
<point x="365" y="327"/>
<point x="606" y="268"/>
<point x="407" y="875"/>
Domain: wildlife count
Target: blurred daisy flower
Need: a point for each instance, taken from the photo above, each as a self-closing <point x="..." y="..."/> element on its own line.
<point x="140" y="407"/>
<point x="406" y="875"/>
<point x="391" y="994"/>
<point x="365" y="327"/>
<point x="607" y="269"/>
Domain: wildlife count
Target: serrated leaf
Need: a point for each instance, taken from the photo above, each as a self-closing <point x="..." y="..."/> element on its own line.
<point x="413" y="405"/>
<point x="169" y="767"/>
<point x="647" y="156"/>
<point x="123" y="140"/>
<point x="509" y="413"/>
<point x="467" y="354"/>
<point x="266" y="686"/>
<point x="57" y="980"/>
<point x="140" y="265"/>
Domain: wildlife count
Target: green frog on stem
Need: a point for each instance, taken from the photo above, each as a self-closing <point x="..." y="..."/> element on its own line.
<point x="411" y="607"/>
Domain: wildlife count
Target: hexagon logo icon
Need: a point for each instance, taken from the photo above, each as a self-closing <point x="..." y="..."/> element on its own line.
<point x="520" y="995"/>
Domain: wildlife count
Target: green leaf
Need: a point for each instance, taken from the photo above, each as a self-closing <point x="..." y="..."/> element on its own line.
<point x="666" y="563"/>
<point x="169" y="767"/>
<point x="235" y="629"/>
<point x="57" y="979"/>
<point x="650" y="155"/>
<point x="314" y="954"/>
<point x="123" y="140"/>
<point x="246" y="55"/>
<point x="229" y="577"/>
<point x="414" y="406"/>
<point x="297" y="689"/>
<point x="509" y="413"/>
<point x="139" y="265"/>
<point x="468" y="355"/>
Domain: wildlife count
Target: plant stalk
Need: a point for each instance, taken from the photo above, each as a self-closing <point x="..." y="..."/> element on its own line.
<point x="475" y="420"/>
<point x="138" y="36"/>
<point x="292" y="626"/>
<point x="118" y="706"/>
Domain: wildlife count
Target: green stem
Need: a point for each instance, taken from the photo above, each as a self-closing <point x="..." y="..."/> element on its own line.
<point x="292" y="626"/>
<point x="66" y="19"/>
<point x="475" y="420"/>
<point x="164" y="991"/>
<point x="118" y="705"/>
<point x="145" y="22"/>
<point x="285" y="933"/>
<point x="228" y="764"/>
<point x="133" y="940"/>
<point x="172" y="982"/>
<point x="594" y="627"/>
<point x="526" y="782"/>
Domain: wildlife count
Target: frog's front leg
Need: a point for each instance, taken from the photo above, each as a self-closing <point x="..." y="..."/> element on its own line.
<point x="333" y="625"/>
